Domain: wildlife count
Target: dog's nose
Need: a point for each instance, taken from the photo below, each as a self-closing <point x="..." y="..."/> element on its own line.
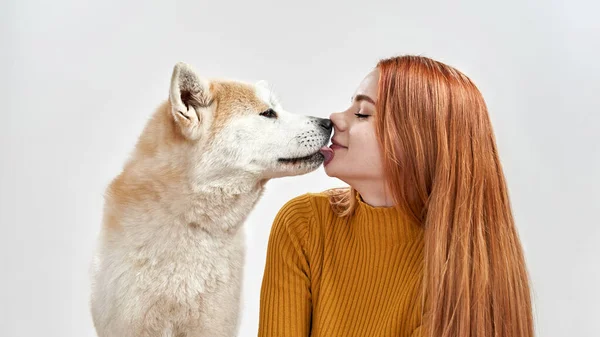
<point x="326" y="123"/>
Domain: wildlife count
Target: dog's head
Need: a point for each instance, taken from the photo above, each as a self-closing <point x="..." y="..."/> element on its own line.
<point x="241" y="127"/>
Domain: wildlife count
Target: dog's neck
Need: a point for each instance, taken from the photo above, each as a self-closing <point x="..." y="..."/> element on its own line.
<point x="221" y="205"/>
<point x="223" y="182"/>
<point x="216" y="201"/>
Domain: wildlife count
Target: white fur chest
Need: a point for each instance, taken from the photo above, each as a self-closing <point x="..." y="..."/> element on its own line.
<point x="170" y="276"/>
<point x="180" y="262"/>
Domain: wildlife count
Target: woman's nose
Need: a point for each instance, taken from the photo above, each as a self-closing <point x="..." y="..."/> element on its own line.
<point x="338" y="120"/>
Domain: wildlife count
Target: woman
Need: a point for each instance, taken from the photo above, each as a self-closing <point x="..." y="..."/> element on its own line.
<point x="423" y="243"/>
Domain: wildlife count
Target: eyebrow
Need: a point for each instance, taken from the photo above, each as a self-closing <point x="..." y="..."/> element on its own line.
<point x="362" y="97"/>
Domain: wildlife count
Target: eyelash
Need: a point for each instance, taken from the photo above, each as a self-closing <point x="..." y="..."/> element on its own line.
<point x="361" y="116"/>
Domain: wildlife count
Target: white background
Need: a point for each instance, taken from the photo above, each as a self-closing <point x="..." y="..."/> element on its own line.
<point x="80" y="78"/>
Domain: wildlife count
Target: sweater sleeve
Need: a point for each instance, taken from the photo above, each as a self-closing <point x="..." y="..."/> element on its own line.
<point x="285" y="299"/>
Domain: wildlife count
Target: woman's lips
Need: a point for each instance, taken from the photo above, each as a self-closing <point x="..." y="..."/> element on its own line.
<point x="337" y="147"/>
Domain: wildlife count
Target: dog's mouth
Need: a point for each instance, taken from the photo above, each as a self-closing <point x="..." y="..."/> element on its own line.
<point x="317" y="156"/>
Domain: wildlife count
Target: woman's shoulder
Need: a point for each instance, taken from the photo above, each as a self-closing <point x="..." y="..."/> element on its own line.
<point x="300" y="219"/>
<point x="308" y="204"/>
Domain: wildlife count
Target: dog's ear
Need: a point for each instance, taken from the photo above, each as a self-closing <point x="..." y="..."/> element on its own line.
<point x="264" y="84"/>
<point x="269" y="95"/>
<point x="189" y="97"/>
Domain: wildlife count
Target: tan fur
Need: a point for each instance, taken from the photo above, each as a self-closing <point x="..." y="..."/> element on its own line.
<point x="234" y="99"/>
<point x="161" y="126"/>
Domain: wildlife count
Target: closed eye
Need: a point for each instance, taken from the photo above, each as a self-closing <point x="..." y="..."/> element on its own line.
<point x="270" y="113"/>
<point x="361" y="116"/>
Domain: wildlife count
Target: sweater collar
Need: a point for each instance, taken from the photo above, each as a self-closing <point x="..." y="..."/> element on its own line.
<point x="384" y="224"/>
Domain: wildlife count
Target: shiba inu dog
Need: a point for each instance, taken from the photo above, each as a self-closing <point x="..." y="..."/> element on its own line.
<point x="170" y="255"/>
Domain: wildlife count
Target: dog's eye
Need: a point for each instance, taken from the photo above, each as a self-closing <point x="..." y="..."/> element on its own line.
<point x="269" y="113"/>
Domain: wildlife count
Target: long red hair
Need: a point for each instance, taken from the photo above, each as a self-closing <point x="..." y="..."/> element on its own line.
<point x="443" y="170"/>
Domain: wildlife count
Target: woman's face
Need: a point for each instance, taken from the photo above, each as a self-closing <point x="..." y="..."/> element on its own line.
<point x="356" y="154"/>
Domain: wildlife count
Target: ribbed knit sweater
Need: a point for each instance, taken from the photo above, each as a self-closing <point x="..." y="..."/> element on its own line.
<point x="328" y="276"/>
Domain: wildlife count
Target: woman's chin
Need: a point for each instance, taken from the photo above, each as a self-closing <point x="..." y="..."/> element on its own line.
<point x="330" y="169"/>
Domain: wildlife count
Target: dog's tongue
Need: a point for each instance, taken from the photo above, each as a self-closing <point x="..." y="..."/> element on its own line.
<point x="328" y="153"/>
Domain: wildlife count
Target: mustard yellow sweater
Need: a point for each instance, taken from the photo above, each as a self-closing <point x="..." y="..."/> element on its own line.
<point x="331" y="276"/>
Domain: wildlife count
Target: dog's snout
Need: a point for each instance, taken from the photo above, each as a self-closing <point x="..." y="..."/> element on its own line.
<point x="326" y="123"/>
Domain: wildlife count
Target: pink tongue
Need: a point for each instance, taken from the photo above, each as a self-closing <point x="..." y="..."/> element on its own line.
<point x="328" y="153"/>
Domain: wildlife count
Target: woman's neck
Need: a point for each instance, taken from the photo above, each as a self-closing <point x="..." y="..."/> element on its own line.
<point x="375" y="194"/>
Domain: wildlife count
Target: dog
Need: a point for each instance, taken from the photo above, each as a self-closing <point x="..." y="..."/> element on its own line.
<point x="170" y="253"/>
